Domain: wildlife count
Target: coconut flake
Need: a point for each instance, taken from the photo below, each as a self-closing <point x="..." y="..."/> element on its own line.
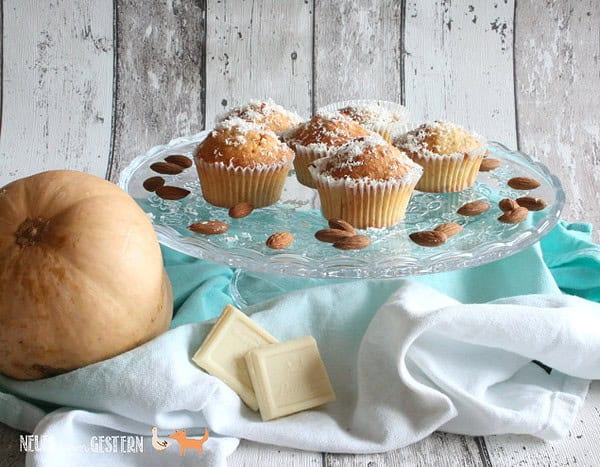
<point x="413" y="141"/>
<point x="255" y="110"/>
<point x="376" y="114"/>
<point x="241" y="126"/>
<point x="346" y="157"/>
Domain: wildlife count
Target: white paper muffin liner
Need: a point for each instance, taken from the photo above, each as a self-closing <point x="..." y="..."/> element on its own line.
<point x="225" y="185"/>
<point x="365" y="203"/>
<point x="305" y="156"/>
<point x="448" y="172"/>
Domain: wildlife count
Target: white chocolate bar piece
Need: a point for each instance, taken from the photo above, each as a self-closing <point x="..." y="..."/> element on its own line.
<point x="222" y="352"/>
<point x="288" y="377"/>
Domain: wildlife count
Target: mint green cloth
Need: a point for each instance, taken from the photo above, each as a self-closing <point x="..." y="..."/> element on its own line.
<point x="565" y="260"/>
<point x="395" y="351"/>
<point x="573" y="259"/>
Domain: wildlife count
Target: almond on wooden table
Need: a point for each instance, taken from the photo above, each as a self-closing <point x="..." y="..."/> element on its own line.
<point x="523" y="183"/>
<point x="166" y="168"/>
<point x="240" y="210"/>
<point x="179" y="159"/>
<point x="533" y="204"/>
<point x="449" y="229"/>
<point x="515" y="216"/>
<point x="171" y="192"/>
<point x="332" y="235"/>
<point x="508" y="204"/>
<point x="209" y="227"/>
<point x="474" y="208"/>
<point x="355" y="242"/>
<point x="429" y="238"/>
<point x="341" y="224"/>
<point x="489" y="163"/>
<point x="280" y="240"/>
<point x="152" y="183"/>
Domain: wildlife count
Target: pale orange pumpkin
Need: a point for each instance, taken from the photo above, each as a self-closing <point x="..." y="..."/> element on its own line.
<point x="81" y="274"/>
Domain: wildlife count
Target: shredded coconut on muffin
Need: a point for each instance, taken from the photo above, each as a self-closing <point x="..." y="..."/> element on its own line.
<point x="266" y="113"/>
<point x="373" y="114"/>
<point x="238" y="143"/>
<point x="367" y="158"/>
<point x="440" y="138"/>
<point x="325" y="130"/>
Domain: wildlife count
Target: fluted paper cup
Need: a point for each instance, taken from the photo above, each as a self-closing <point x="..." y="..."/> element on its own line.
<point x="365" y="203"/>
<point x="226" y="186"/>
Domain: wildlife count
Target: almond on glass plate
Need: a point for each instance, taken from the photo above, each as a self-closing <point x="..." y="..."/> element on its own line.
<point x="470" y="240"/>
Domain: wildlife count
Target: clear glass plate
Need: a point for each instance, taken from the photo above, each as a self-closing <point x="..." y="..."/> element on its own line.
<point x="391" y="254"/>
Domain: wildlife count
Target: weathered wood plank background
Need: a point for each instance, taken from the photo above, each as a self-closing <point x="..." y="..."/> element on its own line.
<point x="90" y="84"/>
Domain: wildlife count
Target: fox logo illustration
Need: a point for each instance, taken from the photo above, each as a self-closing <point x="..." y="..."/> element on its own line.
<point x="188" y="443"/>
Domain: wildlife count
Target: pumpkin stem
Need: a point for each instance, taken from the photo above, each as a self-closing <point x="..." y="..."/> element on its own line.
<point x="30" y="231"/>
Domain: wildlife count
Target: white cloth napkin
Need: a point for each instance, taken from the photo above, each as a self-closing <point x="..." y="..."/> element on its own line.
<point x="404" y="361"/>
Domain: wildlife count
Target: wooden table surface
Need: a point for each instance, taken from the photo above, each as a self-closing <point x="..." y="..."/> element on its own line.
<point x="90" y="84"/>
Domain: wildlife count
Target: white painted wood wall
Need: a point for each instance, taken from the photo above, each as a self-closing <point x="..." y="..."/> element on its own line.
<point x="90" y="84"/>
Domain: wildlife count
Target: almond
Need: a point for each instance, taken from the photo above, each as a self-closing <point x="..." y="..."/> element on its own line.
<point x="474" y="208"/>
<point x="533" y="204"/>
<point x="171" y="192"/>
<point x="523" y="183"/>
<point x="209" y="227"/>
<point x="429" y="238"/>
<point x="356" y="242"/>
<point x="240" y="210"/>
<point x="178" y="159"/>
<point x="152" y="183"/>
<point x="332" y="235"/>
<point x="341" y="224"/>
<point x="166" y="168"/>
<point x="488" y="164"/>
<point x="449" y="229"/>
<point x="515" y="216"/>
<point x="280" y="240"/>
<point x="507" y="204"/>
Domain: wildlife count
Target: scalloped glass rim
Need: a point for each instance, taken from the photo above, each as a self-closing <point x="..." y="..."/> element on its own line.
<point x="350" y="265"/>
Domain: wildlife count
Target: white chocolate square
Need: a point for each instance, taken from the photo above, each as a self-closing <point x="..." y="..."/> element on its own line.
<point x="222" y="352"/>
<point x="289" y="377"/>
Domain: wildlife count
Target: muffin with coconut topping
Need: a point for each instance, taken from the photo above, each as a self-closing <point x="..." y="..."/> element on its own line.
<point x="449" y="154"/>
<point x="367" y="182"/>
<point x="318" y="138"/>
<point x="242" y="162"/>
<point x="389" y="119"/>
<point x="265" y="113"/>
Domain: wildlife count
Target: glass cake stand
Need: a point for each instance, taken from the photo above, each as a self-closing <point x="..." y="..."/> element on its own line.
<point x="391" y="254"/>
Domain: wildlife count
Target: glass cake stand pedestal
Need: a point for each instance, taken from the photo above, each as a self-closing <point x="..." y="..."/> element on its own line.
<point x="307" y="261"/>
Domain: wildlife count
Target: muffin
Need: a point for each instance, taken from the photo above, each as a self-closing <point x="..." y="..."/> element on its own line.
<point x="319" y="137"/>
<point x="366" y="182"/>
<point x="265" y="113"/>
<point x="450" y="155"/>
<point x="242" y="162"/>
<point x="389" y="119"/>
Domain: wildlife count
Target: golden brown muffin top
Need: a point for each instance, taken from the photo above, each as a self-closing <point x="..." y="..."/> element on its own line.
<point x="369" y="157"/>
<point x="266" y="113"/>
<point x="439" y="138"/>
<point x="237" y="143"/>
<point x="326" y="130"/>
